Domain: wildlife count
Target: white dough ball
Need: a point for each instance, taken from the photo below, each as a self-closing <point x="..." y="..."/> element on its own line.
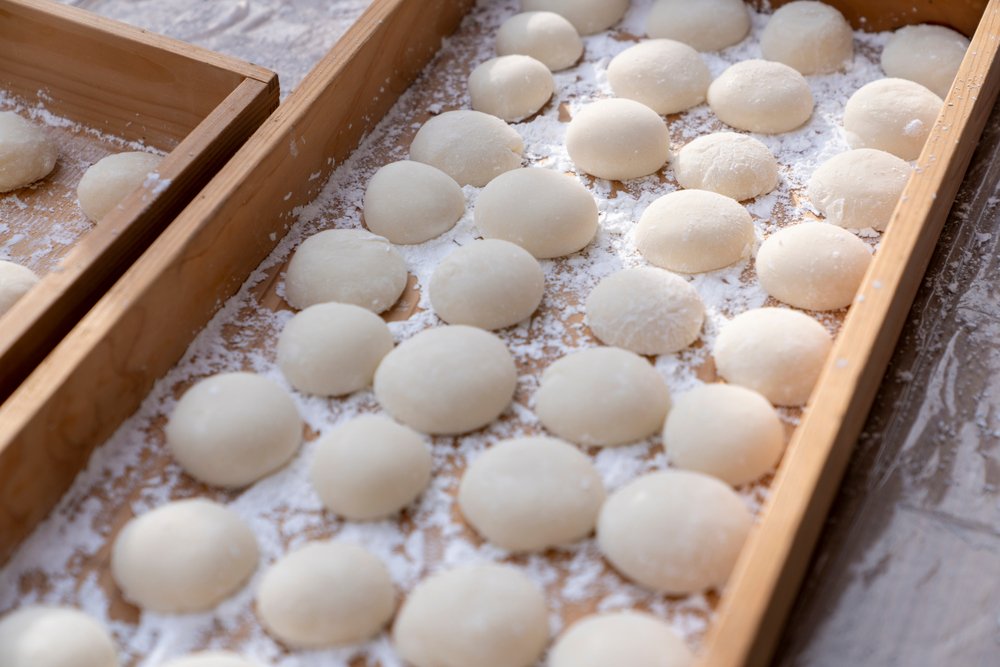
<point x="27" y="154"/>
<point x="347" y="266"/>
<point x="43" y="636"/>
<point x="927" y="54"/>
<point x="893" y="115"/>
<point x="618" y="139"/>
<point x="412" y="202"/>
<point x="447" y="380"/>
<point x="511" y="87"/>
<point x="707" y="25"/>
<point x="729" y="163"/>
<point x="110" y="180"/>
<point x="761" y="96"/>
<point x="530" y="494"/>
<point x="212" y="659"/>
<point x="490" y="284"/>
<point x="693" y="231"/>
<point x="665" y="75"/>
<point x="602" y="396"/>
<point x="810" y="36"/>
<point x="232" y="429"/>
<point x="185" y="556"/>
<point x="483" y="615"/>
<point x="545" y="36"/>
<point x="548" y="213"/>
<point x="15" y="282"/>
<point x="623" y="638"/>
<point x="587" y="16"/>
<point x="859" y="188"/>
<point x="774" y="351"/>
<point x="470" y="146"/>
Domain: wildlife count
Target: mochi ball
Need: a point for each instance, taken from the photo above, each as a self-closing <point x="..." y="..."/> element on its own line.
<point x="665" y="75"/>
<point x="761" y="96"/>
<point x="110" y="180"/>
<point x="622" y="638"/>
<point x="587" y="16"/>
<point x="15" y="282"/>
<point x="545" y="36"/>
<point x="729" y="163"/>
<point x="511" y="87"/>
<point x="813" y="37"/>
<point x="927" y="54"/>
<point x="411" y="202"/>
<point x="470" y="146"/>
<point x="893" y="115"/>
<point x="859" y="188"/>
<point x="707" y="25"/>
<point x="27" y="154"/>
<point x="49" y="636"/>
<point x="618" y="139"/>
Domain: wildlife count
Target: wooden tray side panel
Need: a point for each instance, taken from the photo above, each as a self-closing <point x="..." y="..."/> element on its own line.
<point x="878" y="15"/>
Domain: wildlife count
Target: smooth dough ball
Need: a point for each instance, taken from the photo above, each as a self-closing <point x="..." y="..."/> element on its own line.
<point x="15" y="282"/>
<point x="110" y="180"/>
<point x="232" y="429"/>
<point x="511" y="87"/>
<point x="347" y="266"/>
<point x="859" y="188"/>
<point x="42" y="636"/>
<point x="548" y="213"/>
<point x="725" y="431"/>
<point x="470" y="146"/>
<point x="813" y="265"/>
<point x="27" y="154"/>
<point x="483" y="615"/>
<point x="332" y="349"/>
<point x="447" y="380"/>
<point x="545" y="36"/>
<point x="185" y="556"/>
<point x="602" y="396"/>
<point x="675" y="532"/>
<point x="893" y="115"/>
<point x="490" y="284"/>
<point x="370" y="468"/>
<point x="618" y="139"/>
<point x="729" y="163"/>
<point x="927" y="54"/>
<point x="645" y="310"/>
<point x="625" y="638"/>
<point x="810" y="36"/>
<point x="707" y="25"/>
<point x="665" y="75"/>
<point x="530" y="494"/>
<point x="412" y="202"/>
<point x="761" y="96"/>
<point x="587" y="16"/>
<point x="212" y="659"/>
<point x="774" y="351"/>
<point x="693" y="231"/>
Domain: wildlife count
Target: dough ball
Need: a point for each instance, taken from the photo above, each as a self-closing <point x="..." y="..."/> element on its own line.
<point x="645" y="310"/>
<point x="545" y="36"/>
<point x="490" y="284"/>
<point x="893" y="115"/>
<point x="774" y="351"/>
<point x="27" y="154"/>
<point x="185" y="556"/>
<point x="412" y="202"/>
<point x="530" y="494"/>
<point x="212" y="659"/>
<point x="859" y="188"/>
<point x="347" y="266"/>
<point x="332" y="349"/>
<point x="810" y="36"/>
<point x="447" y="380"/>
<point x="231" y="429"/>
<point x="725" y="431"/>
<point x="470" y="146"/>
<point x="484" y="615"/>
<point x="665" y="75"/>
<point x="814" y="266"/>
<point x="370" y="468"/>
<point x="674" y="532"/>
<point x="546" y="212"/>
<point x="729" y="163"/>
<point x="325" y="594"/>
<point x="618" y="139"/>
<point x="15" y="282"/>
<point x="110" y="180"/>
<point x="693" y="231"/>
<point x="41" y="636"/>
<point x="707" y="25"/>
<point x="587" y="16"/>
<point x="927" y="54"/>
<point x="620" y="638"/>
<point x="761" y="96"/>
<point x="511" y="87"/>
<point x="602" y="396"/>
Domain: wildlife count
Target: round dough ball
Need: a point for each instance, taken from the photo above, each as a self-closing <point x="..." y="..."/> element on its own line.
<point x="547" y="213"/>
<point x="447" y="380"/>
<point x="587" y="16"/>
<point x="42" y="636"/>
<point x="810" y="36"/>
<point x="674" y="532"/>
<point x="893" y="115"/>
<point x="814" y="266"/>
<point x="370" y="468"/>
<point x="645" y="310"/>
<point x="27" y="154"/>
<point x="490" y="284"/>
<point x="232" y="429"/>
<point x="530" y="494"/>
<point x="347" y="266"/>
<point x="620" y="638"/>
<point x="774" y="351"/>
<point x="761" y="96"/>
<point x="511" y="87"/>
<point x="110" y="180"/>
<point x="185" y="556"/>
<point x="602" y="396"/>
<point x="665" y="75"/>
<point x="729" y="163"/>
<point x="927" y="54"/>
<point x="483" y="615"/>
<point x="859" y="188"/>
<point x="707" y="25"/>
<point x="326" y="594"/>
<point x="412" y="202"/>
<point x="618" y="139"/>
<point x="15" y="282"/>
<point x="212" y="659"/>
<point x="332" y="349"/>
<point x="725" y="431"/>
<point x="545" y="36"/>
<point x="470" y="146"/>
<point x="693" y="231"/>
